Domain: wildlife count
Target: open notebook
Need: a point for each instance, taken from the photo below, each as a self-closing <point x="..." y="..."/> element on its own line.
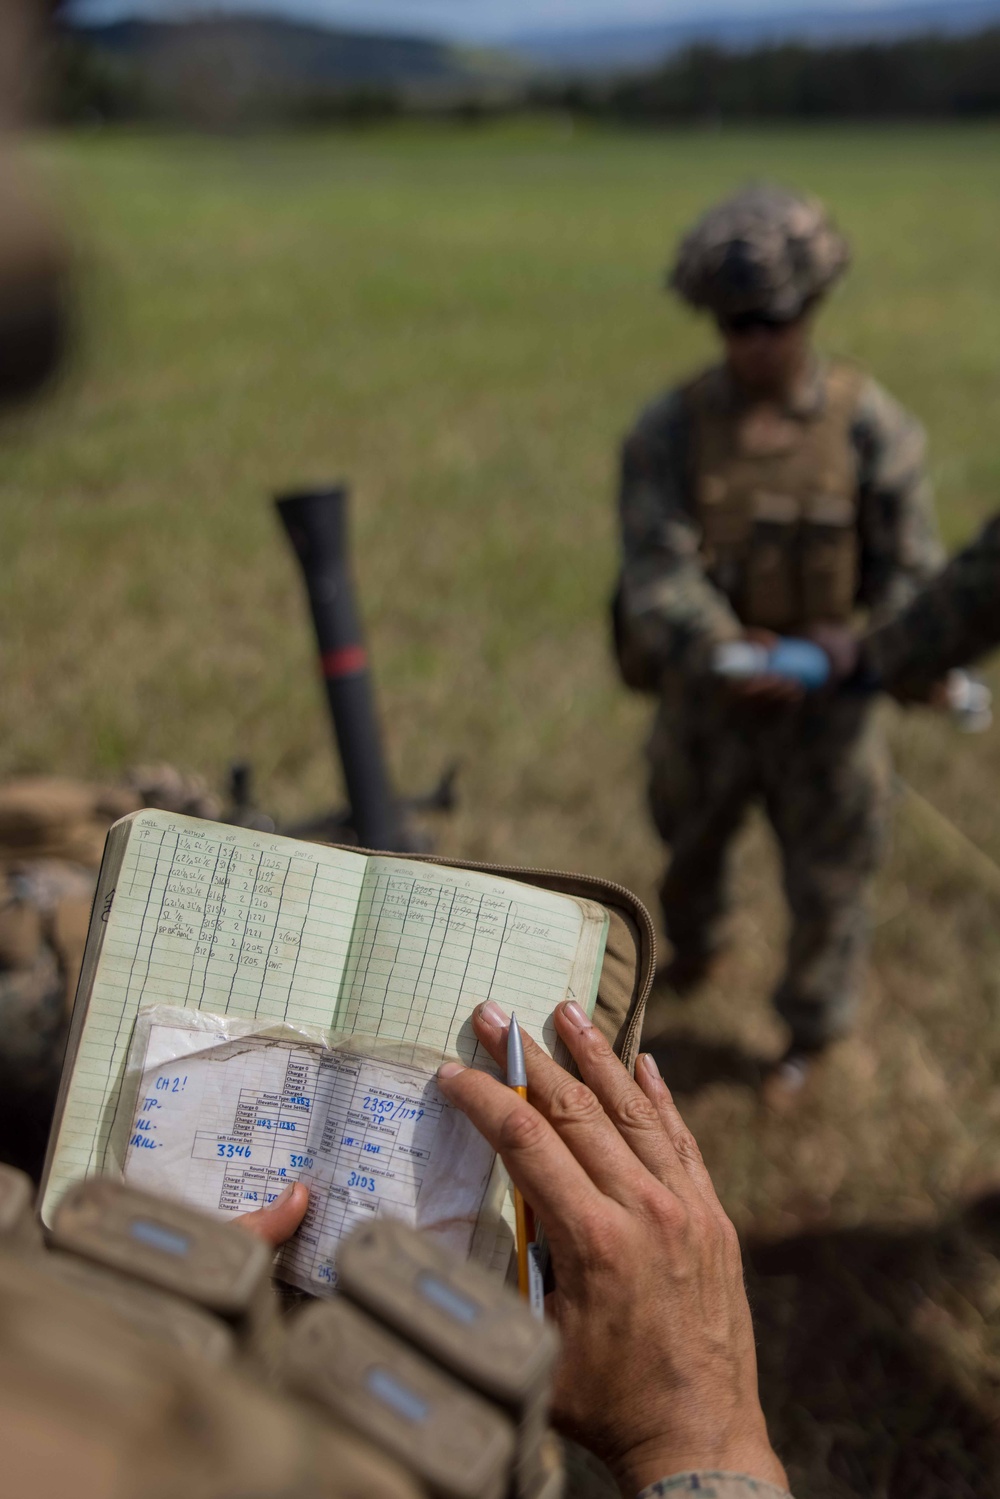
<point x="327" y="985"/>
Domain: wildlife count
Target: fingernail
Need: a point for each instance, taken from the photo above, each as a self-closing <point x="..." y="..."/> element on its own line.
<point x="449" y="1069"/>
<point x="576" y="1016"/>
<point x="492" y="1014"/>
<point x="649" y="1066"/>
<point x="283" y="1197"/>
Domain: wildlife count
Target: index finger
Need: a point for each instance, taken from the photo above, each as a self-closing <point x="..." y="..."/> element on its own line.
<point x="578" y="1113"/>
<point x="540" y="1164"/>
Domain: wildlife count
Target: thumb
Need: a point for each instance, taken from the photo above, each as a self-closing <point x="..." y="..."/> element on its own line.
<point x="276" y="1223"/>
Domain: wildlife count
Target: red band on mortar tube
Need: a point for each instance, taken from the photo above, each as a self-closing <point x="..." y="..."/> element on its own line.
<point x="347" y="661"/>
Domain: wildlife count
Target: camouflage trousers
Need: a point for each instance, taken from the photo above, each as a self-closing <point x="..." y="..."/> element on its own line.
<point x="822" y="772"/>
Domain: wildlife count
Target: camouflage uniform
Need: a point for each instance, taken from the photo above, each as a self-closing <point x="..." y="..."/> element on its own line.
<point x="950" y="623"/>
<point x="731" y="518"/>
<point x="713" y="1486"/>
<point x="52" y="833"/>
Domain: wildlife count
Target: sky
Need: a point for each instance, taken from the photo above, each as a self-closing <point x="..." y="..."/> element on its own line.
<point x="475" y="20"/>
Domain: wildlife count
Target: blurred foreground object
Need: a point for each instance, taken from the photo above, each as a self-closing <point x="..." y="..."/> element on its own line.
<point x="34" y="290"/>
<point x="316" y="523"/>
<point x="43" y="901"/>
<point x="774" y="495"/>
<point x="34" y="257"/>
<point x="140" y="1356"/>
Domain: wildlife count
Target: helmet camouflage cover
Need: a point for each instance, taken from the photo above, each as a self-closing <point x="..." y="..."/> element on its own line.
<point x="764" y="250"/>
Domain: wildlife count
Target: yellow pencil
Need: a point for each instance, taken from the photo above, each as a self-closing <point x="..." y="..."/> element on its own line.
<point x="529" y="1278"/>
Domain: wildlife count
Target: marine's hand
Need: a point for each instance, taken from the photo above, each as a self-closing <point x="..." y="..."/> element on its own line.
<point x="765" y="688"/>
<point x="842" y="647"/>
<point x="658" y="1372"/>
<point x="276" y="1224"/>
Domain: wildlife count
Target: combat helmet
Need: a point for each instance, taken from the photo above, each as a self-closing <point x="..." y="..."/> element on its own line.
<point x="764" y="251"/>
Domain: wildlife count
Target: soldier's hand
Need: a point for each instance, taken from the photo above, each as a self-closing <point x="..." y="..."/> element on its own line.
<point x="658" y="1372"/>
<point x="842" y="647"/>
<point x="276" y="1223"/>
<point x="765" y="688"/>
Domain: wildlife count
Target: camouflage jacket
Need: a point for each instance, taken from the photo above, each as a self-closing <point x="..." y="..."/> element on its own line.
<point x="948" y="624"/>
<point x="713" y="1486"/>
<point x="670" y="611"/>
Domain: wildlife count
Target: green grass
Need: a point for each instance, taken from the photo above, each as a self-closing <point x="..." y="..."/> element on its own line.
<point x="462" y="325"/>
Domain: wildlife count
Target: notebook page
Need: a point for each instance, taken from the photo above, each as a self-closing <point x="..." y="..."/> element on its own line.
<point x="205" y="917"/>
<point x="431" y="943"/>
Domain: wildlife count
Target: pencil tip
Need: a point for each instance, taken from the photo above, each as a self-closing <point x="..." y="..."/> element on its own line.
<point x="515" y="1055"/>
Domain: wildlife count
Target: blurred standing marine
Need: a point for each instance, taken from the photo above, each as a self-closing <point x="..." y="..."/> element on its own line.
<point x="777" y="493"/>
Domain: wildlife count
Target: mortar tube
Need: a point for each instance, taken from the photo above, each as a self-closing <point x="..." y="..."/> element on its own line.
<point x="316" y="523"/>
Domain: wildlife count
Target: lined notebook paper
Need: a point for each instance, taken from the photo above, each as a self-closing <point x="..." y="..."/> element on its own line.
<point x="202" y="916"/>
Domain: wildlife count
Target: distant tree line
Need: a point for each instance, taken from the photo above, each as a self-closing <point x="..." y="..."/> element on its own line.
<point x="929" y="76"/>
<point x="85" y="85"/>
<point x="922" y="76"/>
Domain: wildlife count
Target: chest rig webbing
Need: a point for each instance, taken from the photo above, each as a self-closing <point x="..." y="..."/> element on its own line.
<point x="777" y="501"/>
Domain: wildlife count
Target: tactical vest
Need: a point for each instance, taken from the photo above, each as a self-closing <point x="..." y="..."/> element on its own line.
<point x="777" y="501"/>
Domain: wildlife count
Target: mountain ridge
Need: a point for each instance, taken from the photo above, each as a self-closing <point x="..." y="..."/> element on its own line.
<point x="282" y="52"/>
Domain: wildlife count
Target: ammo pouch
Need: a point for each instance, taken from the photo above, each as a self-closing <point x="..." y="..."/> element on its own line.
<point x="155" y="1327"/>
<point x="112" y="1383"/>
<point x="801" y="571"/>
<point x="771" y="593"/>
<point x="829" y="558"/>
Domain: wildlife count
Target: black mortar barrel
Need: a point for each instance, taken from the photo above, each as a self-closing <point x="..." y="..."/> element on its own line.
<point x="316" y="522"/>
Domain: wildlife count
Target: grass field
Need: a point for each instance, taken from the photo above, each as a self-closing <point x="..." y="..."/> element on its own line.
<point x="462" y="324"/>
